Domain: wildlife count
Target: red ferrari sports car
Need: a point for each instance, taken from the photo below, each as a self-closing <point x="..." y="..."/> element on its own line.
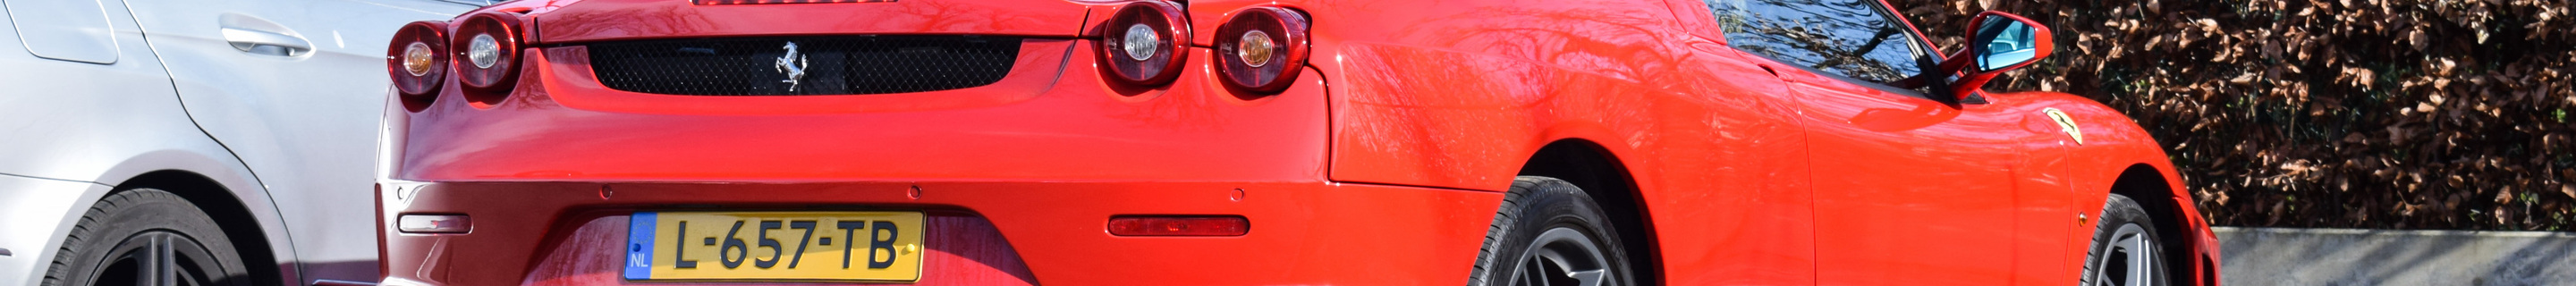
<point x="1276" y="142"/>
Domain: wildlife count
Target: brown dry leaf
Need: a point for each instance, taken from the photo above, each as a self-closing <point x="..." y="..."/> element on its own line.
<point x="2271" y="49"/>
<point x="2415" y="37"/>
<point x="2295" y="168"/>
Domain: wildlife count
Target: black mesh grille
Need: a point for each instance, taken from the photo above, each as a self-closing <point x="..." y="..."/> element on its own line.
<point x="832" y="65"/>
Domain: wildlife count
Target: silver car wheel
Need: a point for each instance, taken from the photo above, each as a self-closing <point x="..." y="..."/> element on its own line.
<point x="1562" y="256"/>
<point x="159" y="258"/>
<point x="2129" y="259"/>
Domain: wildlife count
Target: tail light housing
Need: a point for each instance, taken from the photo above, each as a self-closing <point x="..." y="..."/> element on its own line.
<point x="417" y="60"/>
<point x="487" y="51"/>
<point x="1144" y="43"/>
<point x="1261" y="49"/>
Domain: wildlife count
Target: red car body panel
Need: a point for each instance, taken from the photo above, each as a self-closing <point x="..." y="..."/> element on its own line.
<point x="635" y="20"/>
<point x="1382" y="165"/>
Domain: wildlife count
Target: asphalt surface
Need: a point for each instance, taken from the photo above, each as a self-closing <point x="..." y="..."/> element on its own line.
<point x="2286" y="256"/>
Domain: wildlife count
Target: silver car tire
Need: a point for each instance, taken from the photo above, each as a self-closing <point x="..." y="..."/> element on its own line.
<point x="146" y="237"/>
<point x="1550" y="233"/>
<point x="2125" y="250"/>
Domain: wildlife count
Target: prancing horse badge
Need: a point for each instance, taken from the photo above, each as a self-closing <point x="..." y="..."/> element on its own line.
<point x="2065" y="124"/>
<point x="792" y="64"/>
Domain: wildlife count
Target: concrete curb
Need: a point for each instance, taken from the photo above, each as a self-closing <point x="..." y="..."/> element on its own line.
<point x="2297" y="256"/>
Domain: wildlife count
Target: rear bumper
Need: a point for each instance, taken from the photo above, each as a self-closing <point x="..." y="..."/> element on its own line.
<point x="1020" y="178"/>
<point x="982" y="233"/>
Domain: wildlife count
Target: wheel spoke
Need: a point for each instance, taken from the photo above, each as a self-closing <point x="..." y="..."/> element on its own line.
<point x="2142" y="258"/>
<point x="147" y="261"/>
<point x="165" y="255"/>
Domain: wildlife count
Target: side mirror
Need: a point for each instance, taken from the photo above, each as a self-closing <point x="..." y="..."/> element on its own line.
<point x="2004" y="41"/>
<point x="2000" y="42"/>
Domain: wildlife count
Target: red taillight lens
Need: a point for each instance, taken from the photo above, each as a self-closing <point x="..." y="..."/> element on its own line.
<point x="417" y="59"/>
<point x="747" y="2"/>
<point x="487" y="51"/>
<point x="1179" y="225"/>
<point x="1143" y="43"/>
<point x="1261" y="49"/>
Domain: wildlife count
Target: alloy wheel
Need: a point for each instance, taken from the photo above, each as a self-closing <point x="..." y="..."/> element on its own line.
<point x="2129" y="259"/>
<point x="158" y="258"/>
<point x="1562" y="256"/>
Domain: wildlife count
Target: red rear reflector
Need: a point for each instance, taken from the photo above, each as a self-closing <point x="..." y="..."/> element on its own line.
<point x="1179" y="225"/>
<point x="423" y="223"/>
<point x="747" y="2"/>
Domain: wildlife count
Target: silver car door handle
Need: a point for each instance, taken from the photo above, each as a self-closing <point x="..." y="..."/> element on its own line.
<point x="251" y="41"/>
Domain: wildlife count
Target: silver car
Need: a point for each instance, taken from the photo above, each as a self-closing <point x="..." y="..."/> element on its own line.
<point x="193" y="142"/>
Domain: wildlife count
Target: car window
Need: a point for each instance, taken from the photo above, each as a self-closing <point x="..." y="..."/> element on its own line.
<point x="1850" y="38"/>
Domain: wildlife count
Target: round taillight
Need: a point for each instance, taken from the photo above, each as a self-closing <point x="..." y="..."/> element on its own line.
<point x="417" y="60"/>
<point x="1144" y="43"/>
<point x="1261" y="49"/>
<point x="487" y="51"/>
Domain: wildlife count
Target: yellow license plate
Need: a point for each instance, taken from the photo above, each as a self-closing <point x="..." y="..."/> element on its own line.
<point x="775" y="246"/>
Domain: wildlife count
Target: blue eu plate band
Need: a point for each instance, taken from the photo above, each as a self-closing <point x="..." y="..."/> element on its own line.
<point x="639" y="246"/>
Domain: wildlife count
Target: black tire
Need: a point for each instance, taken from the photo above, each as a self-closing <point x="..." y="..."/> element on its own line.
<point x="133" y="234"/>
<point x="1577" y="238"/>
<point x="2125" y="250"/>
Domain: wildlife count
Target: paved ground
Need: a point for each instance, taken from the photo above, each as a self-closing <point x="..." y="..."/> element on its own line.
<point x="2283" y="256"/>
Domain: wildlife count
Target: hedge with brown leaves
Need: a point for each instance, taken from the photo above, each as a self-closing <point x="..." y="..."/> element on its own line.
<point x="2338" y="113"/>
